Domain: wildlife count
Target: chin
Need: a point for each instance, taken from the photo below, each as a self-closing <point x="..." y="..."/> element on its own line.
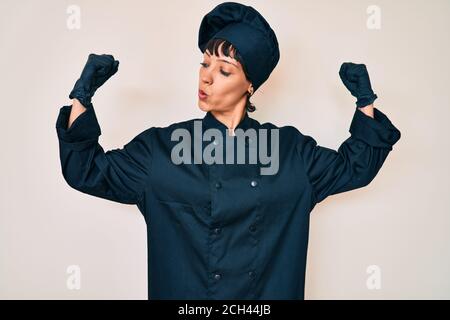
<point x="203" y="106"/>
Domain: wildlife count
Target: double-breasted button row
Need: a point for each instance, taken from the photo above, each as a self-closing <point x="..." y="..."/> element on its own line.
<point x="218" y="276"/>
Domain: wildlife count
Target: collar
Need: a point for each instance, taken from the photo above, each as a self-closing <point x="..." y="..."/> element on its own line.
<point x="209" y="121"/>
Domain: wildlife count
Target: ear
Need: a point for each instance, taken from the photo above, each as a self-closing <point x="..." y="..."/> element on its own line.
<point x="250" y="89"/>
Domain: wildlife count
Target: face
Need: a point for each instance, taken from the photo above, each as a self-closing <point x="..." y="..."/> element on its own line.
<point x="223" y="80"/>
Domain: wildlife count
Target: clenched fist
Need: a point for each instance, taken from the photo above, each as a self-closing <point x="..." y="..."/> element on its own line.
<point x="97" y="70"/>
<point x="356" y="78"/>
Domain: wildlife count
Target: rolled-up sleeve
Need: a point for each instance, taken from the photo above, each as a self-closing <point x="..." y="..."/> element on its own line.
<point x="356" y="162"/>
<point x="119" y="175"/>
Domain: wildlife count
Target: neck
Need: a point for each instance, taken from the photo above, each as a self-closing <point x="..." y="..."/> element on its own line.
<point x="230" y="118"/>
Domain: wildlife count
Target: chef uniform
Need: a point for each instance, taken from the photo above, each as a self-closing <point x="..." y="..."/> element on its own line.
<point x="221" y="230"/>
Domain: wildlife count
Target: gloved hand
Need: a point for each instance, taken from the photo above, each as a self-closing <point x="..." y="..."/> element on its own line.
<point x="97" y="70"/>
<point x="356" y="79"/>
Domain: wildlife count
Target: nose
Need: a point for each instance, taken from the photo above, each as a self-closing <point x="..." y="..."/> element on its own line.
<point x="205" y="76"/>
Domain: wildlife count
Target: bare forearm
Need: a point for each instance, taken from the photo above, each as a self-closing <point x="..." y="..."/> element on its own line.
<point x="368" y="110"/>
<point x="77" y="109"/>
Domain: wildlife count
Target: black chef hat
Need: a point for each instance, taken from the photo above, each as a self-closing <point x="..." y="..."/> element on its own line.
<point x="248" y="31"/>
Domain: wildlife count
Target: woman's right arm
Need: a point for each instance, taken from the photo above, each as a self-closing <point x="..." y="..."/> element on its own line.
<point x="77" y="109"/>
<point x="119" y="175"/>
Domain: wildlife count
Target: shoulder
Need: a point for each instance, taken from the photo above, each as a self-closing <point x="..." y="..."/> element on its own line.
<point x="292" y="137"/>
<point x="162" y="131"/>
<point x="287" y="133"/>
<point x="186" y="124"/>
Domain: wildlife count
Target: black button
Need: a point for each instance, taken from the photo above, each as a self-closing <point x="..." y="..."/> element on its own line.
<point x="217" y="276"/>
<point x="254" y="183"/>
<point x="252" y="228"/>
<point x="218" y="185"/>
<point x="217" y="230"/>
<point x="251" y="273"/>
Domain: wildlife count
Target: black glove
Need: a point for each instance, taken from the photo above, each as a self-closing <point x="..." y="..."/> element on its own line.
<point x="97" y="70"/>
<point x="356" y="79"/>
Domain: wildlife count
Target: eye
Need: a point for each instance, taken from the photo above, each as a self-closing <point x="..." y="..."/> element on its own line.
<point x="226" y="74"/>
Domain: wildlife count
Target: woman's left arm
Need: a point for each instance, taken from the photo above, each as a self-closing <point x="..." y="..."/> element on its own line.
<point x="368" y="110"/>
<point x="358" y="159"/>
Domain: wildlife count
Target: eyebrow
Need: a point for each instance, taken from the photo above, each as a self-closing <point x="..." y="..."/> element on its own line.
<point x="223" y="60"/>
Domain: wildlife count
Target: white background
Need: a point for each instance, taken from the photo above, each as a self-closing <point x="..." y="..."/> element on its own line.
<point x="399" y="222"/>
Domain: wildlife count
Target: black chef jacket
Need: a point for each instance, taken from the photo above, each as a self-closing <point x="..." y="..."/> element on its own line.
<point x="223" y="231"/>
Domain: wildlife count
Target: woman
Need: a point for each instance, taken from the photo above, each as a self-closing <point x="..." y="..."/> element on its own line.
<point x="223" y="230"/>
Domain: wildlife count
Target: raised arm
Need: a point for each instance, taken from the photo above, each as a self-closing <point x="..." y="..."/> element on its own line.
<point x="356" y="162"/>
<point x="76" y="111"/>
<point x="119" y="175"/>
<point x="359" y="158"/>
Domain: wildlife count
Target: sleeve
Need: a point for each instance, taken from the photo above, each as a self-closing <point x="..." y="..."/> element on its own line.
<point x="357" y="160"/>
<point x="119" y="175"/>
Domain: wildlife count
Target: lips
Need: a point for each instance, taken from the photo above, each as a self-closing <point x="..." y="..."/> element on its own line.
<point x="202" y="95"/>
